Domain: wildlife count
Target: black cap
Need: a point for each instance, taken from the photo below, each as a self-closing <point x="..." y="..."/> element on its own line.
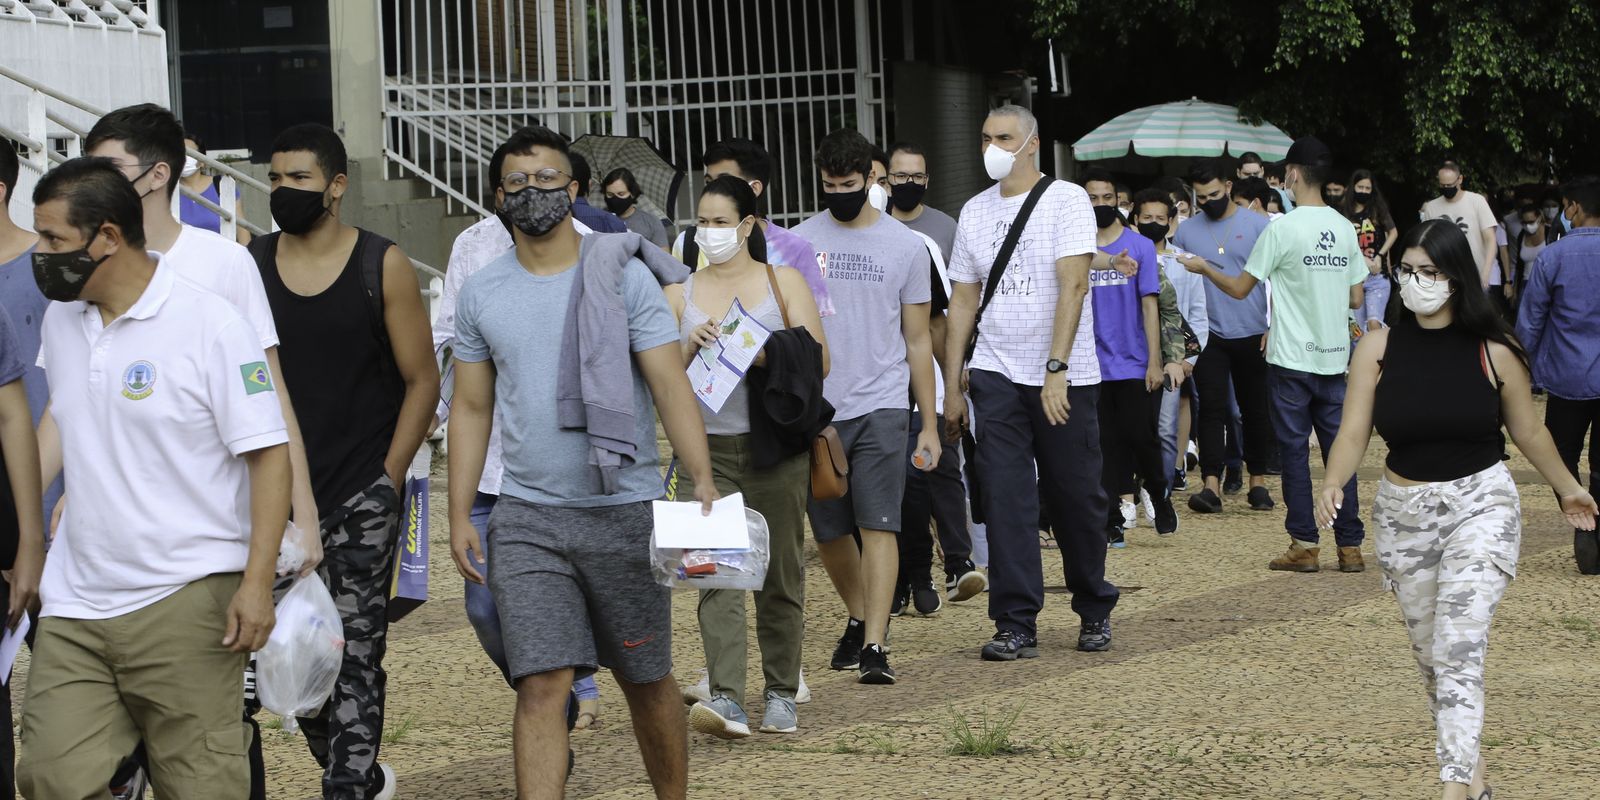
<point x="1309" y="151"/>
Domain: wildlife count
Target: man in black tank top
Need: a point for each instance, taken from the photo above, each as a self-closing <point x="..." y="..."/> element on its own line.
<point x="354" y="332"/>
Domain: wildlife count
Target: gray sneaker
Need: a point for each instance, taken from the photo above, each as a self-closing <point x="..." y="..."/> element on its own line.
<point x="721" y="718"/>
<point x="780" y="716"/>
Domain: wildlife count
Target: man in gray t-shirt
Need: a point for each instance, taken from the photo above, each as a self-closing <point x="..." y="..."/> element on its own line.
<point x="571" y="570"/>
<point x="877" y="275"/>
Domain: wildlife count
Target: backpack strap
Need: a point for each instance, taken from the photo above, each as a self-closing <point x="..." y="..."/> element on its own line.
<point x="691" y="251"/>
<point x="371" y="250"/>
<point x="1002" y="259"/>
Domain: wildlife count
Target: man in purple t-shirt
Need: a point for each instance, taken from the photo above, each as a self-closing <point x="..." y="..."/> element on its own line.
<point x="1125" y="320"/>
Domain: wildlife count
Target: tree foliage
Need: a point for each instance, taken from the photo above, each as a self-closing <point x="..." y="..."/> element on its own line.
<point x="1511" y="88"/>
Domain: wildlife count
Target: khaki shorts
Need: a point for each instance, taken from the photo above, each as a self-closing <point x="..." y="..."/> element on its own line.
<point x="97" y="686"/>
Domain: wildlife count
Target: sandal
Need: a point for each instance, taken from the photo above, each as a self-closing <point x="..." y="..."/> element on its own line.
<point x="1488" y="793"/>
<point x="1047" y="541"/>
<point x="588" y="716"/>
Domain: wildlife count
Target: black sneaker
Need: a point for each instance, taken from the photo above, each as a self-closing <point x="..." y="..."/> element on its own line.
<point x="902" y="593"/>
<point x="1008" y="646"/>
<point x="1260" y="500"/>
<point x="926" y="599"/>
<point x="1115" y="537"/>
<point x="1166" y="516"/>
<point x="848" y="654"/>
<point x="964" y="582"/>
<point x="1232" y="481"/>
<point x="875" y="669"/>
<point x="1586" y="549"/>
<point x="1094" y="637"/>
<point x="1180" y="481"/>
<point x="1206" y="502"/>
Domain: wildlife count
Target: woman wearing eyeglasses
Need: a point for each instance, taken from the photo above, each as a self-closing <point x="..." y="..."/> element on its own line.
<point x="1438" y="386"/>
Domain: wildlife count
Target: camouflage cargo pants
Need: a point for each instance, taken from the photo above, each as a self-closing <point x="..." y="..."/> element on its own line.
<point x="1448" y="550"/>
<point x="357" y="564"/>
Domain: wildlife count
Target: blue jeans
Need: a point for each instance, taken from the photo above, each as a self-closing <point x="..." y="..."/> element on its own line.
<point x="1376" y="304"/>
<point x="1302" y="403"/>
<point x="485" y="615"/>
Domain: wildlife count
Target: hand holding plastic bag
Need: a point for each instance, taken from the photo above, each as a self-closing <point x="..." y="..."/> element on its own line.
<point x="716" y="569"/>
<point x="300" y="552"/>
<point x="296" y="671"/>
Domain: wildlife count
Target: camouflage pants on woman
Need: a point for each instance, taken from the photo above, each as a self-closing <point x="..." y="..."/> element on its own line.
<point x="1448" y="550"/>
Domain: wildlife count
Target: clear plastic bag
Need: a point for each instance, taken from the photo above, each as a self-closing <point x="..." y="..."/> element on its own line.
<point x="294" y="550"/>
<point x="733" y="569"/>
<point x="297" y="668"/>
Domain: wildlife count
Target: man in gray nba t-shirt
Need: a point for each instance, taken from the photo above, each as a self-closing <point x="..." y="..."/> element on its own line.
<point x="877" y="274"/>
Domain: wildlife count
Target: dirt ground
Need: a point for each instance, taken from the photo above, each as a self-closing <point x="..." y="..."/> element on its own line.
<point x="1226" y="680"/>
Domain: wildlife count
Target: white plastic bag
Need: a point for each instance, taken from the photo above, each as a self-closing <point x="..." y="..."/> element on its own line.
<point x="732" y="569"/>
<point x="294" y="550"/>
<point x="296" y="670"/>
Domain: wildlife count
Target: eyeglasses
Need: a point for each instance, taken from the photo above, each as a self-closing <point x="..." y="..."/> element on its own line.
<point x="898" y="178"/>
<point x="548" y="178"/>
<point x="1425" y="278"/>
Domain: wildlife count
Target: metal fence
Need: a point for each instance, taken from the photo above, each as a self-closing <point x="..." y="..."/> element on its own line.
<point x="461" y="75"/>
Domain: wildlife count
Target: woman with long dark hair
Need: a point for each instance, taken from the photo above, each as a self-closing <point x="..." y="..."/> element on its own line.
<point x="1365" y="207"/>
<point x="1438" y="387"/>
<point x="728" y="234"/>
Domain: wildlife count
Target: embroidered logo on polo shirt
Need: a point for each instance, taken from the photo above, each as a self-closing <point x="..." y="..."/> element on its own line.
<point x="139" y="380"/>
<point x="256" y="377"/>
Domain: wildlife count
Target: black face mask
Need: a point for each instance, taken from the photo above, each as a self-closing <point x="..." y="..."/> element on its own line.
<point x="1154" y="231"/>
<point x="1216" y="208"/>
<point x="845" y="206"/>
<point x="1332" y="198"/>
<point x="1362" y="197"/>
<point x="1106" y="216"/>
<point x="907" y="196"/>
<point x="296" y="210"/>
<point x="618" y="205"/>
<point x="535" y="211"/>
<point x="62" y="276"/>
<point x="1449" y="192"/>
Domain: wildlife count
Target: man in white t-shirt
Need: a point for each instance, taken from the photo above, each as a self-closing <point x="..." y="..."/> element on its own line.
<point x="1034" y="380"/>
<point x="1470" y="212"/>
<point x="159" y="582"/>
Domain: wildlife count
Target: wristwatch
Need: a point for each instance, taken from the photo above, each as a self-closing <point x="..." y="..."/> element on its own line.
<point x="1055" y="365"/>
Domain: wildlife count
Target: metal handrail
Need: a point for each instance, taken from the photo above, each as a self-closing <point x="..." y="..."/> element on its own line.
<point x="219" y="167"/>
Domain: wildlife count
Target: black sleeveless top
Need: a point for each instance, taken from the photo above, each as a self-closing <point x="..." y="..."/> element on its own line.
<point x="345" y="388"/>
<point x="1435" y="406"/>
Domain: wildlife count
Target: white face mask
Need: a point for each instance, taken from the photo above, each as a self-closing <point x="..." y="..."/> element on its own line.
<point x="877" y="197"/>
<point x="997" y="161"/>
<point x="719" y="244"/>
<point x="190" y="166"/>
<point x="1424" y="302"/>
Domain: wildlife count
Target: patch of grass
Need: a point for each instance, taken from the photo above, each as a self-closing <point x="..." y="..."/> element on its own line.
<point x="1067" y="750"/>
<point x="394" y="734"/>
<point x="272" y="723"/>
<point x="984" y="737"/>
<point x="1581" y="625"/>
<point x="844" y="748"/>
<point x="1491" y="741"/>
<point x="882" y="743"/>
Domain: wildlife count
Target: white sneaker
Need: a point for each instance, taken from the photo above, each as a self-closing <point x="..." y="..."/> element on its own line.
<point x="803" y="694"/>
<point x="1130" y="514"/>
<point x="700" y="692"/>
<point x="1149" y="505"/>
<point x="387" y="793"/>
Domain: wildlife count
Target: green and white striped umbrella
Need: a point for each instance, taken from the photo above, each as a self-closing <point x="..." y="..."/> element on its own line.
<point x="1187" y="128"/>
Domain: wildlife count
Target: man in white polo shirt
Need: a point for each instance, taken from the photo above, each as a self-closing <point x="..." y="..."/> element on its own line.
<point x="156" y="592"/>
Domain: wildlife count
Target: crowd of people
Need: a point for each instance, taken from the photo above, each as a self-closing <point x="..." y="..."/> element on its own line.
<point x="1030" y="374"/>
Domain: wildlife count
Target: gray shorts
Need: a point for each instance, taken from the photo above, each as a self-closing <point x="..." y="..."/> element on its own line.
<point x="574" y="589"/>
<point x="876" y="447"/>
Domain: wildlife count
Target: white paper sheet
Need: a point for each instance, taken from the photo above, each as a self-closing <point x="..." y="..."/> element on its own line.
<point x="681" y="525"/>
<point x="12" y="642"/>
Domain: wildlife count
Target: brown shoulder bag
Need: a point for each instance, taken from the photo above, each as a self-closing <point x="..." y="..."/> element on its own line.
<point x="830" y="468"/>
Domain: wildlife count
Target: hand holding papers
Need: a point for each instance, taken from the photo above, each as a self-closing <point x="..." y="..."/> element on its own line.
<point x="717" y="369"/>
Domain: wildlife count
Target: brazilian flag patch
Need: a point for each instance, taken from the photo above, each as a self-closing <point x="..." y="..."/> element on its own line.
<point x="256" y="377"/>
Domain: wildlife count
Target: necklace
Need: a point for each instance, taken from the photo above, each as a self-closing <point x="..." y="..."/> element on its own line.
<point x="1225" y="231"/>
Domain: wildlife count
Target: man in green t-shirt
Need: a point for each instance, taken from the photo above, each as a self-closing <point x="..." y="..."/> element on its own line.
<point x="1316" y="269"/>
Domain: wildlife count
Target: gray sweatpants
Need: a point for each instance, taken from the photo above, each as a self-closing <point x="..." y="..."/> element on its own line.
<point x="1448" y="550"/>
